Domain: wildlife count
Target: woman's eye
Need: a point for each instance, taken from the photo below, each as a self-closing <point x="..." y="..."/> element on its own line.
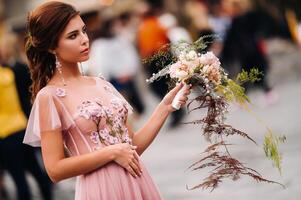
<point x="85" y="30"/>
<point x="73" y="36"/>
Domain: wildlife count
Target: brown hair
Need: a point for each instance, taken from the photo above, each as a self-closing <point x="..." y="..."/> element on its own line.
<point x="45" y="26"/>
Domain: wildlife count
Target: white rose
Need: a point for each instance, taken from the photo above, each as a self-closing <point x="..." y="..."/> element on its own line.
<point x="203" y="59"/>
<point x="205" y="69"/>
<point x="182" y="57"/>
<point x="192" y="55"/>
<point x="180" y="74"/>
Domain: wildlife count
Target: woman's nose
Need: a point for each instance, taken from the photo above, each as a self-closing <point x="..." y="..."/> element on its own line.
<point x="85" y="39"/>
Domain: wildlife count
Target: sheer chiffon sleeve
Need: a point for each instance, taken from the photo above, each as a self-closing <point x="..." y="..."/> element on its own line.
<point x="44" y="116"/>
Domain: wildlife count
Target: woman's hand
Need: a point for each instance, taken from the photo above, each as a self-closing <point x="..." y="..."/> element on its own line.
<point x="127" y="157"/>
<point x="169" y="97"/>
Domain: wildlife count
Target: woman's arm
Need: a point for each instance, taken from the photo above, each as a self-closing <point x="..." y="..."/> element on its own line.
<point x="145" y="136"/>
<point x="58" y="167"/>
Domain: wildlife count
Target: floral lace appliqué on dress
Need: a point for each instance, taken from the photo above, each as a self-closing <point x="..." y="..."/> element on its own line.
<point x="115" y="117"/>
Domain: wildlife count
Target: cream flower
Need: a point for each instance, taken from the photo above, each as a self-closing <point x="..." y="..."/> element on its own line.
<point x="192" y="55"/>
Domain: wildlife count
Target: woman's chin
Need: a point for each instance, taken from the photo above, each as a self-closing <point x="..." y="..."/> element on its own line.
<point x="84" y="58"/>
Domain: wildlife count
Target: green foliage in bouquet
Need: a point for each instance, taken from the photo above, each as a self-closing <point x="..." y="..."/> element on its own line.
<point x="270" y="146"/>
<point x="252" y="76"/>
<point x="233" y="92"/>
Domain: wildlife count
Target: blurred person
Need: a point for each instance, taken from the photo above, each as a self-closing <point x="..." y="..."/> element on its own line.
<point x="151" y="38"/>
<point x="3" y="192"/>
<point x="151" y="34"/>
<point x="13" y="122"/>
<point x="126" y="26"/>
<point x="121" y="72"/>
<point x="198" y="12"/>
<point x="175" y="33"/>
<point x="17" y="158"/>
<point x="220" y="21"/>
<point x="293" y="26"/>
<point x="85" y="116"/>
<point x="245" y="43"/>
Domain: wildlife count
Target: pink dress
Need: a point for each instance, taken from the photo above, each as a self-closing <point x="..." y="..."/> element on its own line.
<point x="90" y="117"/>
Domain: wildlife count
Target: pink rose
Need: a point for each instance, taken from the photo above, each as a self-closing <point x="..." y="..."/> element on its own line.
<point x="214" y="75"/>
<point x="209" y="59"/>
<point x="91" y="110"/>
<point x="178" y="70"/>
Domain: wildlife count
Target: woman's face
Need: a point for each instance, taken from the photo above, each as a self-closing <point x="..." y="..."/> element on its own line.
<point x="73" y="44"/>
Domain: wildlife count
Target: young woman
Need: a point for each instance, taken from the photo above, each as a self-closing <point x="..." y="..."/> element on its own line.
<point x="84" y="116"/>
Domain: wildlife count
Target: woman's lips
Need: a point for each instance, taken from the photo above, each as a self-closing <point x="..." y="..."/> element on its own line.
<point x="85" y="51"/>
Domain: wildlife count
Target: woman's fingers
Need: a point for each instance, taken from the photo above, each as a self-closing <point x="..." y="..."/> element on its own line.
<point x="133" y="147"/>
<point x="136" y="156"/>
<point x="137" y="164"/>
<point x="187" y="93"/>
<point x="135" y="167"/>
<point x="176" y="89"/>
<point x="183" y="99"/>
<point x="182" y="103"/>
<point x="131" y="171"/>
<point x="136" y="161"/>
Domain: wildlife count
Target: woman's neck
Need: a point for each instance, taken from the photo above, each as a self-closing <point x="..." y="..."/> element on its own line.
<point x="70" y="70"/>
<point x="70" y="73"/>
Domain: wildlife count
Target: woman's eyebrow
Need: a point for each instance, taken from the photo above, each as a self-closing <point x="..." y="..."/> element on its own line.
<point x="72" y="32"/>
<point x="75" y="31"/>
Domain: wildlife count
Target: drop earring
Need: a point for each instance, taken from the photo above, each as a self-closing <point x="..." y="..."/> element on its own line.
<point x="58" y="66"/>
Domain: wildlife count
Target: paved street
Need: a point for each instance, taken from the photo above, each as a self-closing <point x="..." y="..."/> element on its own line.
<point x="174" y="150"/>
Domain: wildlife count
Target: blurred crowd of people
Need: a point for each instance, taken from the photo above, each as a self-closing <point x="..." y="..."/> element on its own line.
<point x="15" y="157"/>
<point x="119" y="42"/>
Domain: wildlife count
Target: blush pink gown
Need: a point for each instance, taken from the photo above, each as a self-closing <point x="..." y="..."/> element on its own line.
<point x="90" y="117"/>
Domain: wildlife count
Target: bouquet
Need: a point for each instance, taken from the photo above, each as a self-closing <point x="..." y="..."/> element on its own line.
<point x="188" y="63"/>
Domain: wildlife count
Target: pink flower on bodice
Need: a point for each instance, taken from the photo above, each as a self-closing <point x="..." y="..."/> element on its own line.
<point x="60" y="92"/>
<point x="90" y="110"/>
<point x="107" y="88"/>
<point x="126" y="138"/>
<point x="95" y="137"/>
<point x="116" y="103"/>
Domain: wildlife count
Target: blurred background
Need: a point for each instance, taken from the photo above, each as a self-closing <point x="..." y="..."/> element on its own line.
<point x="251" y="33"/>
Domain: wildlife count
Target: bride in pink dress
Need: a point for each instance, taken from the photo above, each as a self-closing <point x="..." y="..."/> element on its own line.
<point x="81" y="122"/>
